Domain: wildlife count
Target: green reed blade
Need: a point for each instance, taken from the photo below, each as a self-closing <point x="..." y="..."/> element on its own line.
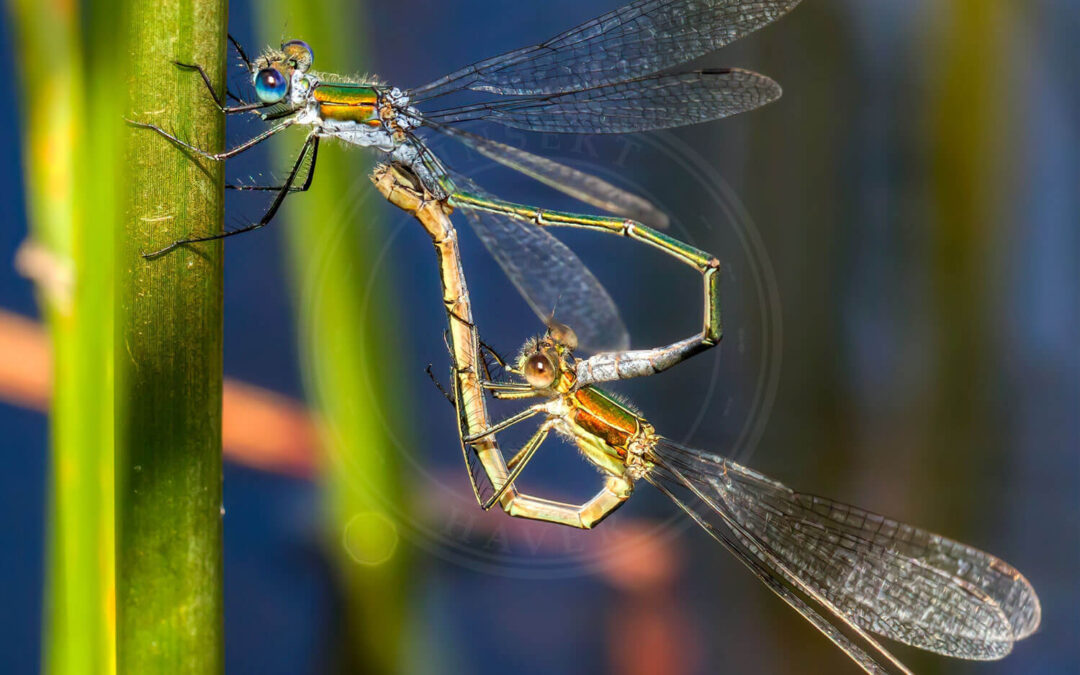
<point x="168" y="350"/>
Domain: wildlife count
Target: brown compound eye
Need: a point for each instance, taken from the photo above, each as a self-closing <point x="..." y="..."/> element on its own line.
<point x="539" y="371"/>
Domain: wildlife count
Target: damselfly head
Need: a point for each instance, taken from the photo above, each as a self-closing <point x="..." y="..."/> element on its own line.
<point x="541" y="362"/>
<point x="547" y="361"/>
<point x="273" y="72"/>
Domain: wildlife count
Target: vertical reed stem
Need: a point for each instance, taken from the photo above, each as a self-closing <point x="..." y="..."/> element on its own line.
<point x="168" y="349"/>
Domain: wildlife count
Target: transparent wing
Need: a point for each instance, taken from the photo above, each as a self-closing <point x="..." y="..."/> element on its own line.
<point x="568" y="180"/>
<point x="655" y="102"/>
<point x="551" y="277"/>
<point x="856" y="643"/>
<point x="893" y="579"/>
<point x="638" y="39"/>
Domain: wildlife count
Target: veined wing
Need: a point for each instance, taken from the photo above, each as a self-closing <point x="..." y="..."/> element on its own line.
<point x="638" y="39"/>
<point x="568" y="180"/>
<point x="653" y="102"/>
<point x="550" y="277"/>
<point x="863" y="649"/>
<point x="892" y="579"/>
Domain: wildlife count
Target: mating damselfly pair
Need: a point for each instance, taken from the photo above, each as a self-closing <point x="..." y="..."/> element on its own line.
<point x="846" y="571"/>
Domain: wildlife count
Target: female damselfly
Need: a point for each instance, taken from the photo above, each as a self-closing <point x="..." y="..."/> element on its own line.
<point x="846" y="570"/>
<point x="608" y="75"/>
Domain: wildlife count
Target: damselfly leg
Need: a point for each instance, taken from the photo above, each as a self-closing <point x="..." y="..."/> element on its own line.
<point x="215" y="156"/>
<point x="310" y="145"/>
<point x="623" y="364"/>
<point x="219" y="100"/>
<point x="616" y="490"/>
<point x="245" y="106"/>
<point x="303" y="187"/>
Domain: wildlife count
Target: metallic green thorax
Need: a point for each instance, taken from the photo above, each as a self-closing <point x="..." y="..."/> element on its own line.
<point x="346" y="102"/>
<point x="345" y="93"/>
<point x="604" y="428"/>
<point x="603" y="415"/>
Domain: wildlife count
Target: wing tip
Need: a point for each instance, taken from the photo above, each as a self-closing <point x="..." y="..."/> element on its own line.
<point x="766" y="83"/>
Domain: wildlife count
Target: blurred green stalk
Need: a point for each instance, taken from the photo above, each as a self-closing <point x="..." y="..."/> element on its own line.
<point x="350" y="353"/>
<point x="169" y="347"/>
<point x="71" y="107"/>
<point x="968" y="134"/>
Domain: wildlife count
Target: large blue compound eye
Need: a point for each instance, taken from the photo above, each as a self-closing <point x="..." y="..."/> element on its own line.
<point x="299" y="53"/>
<point x="271" y="85"/>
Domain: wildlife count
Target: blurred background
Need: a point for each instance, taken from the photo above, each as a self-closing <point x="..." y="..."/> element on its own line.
<point x="901" y="248"/>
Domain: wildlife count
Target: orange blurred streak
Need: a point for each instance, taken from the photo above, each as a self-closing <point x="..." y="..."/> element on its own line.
<point x="260" y="429"/>
<point x="25" y="362"/>
<point x="268" y="431"/>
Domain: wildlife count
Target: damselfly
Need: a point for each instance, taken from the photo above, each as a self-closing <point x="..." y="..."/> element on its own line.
<point x="608" y="75"/>
<point x="848" y="571"/>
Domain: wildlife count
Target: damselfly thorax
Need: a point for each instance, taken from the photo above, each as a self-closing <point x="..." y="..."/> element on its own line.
<point x="371" y="116"/>
<point x="366" y="114"/>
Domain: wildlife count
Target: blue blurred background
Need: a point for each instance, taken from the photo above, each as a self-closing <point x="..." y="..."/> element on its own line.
<point x="902" y="314"/>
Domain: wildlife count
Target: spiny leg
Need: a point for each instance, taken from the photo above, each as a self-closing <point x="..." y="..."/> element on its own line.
<point x="241" y="53"/>
<point x="484" y="353"/>
<point x="438" y="385"/>
<point x="636" y="363"/>
<point x="616" y="490"/>
<point x="266" y="218"/>
<point x="219" y="100"/>
<point x="509" y="391"/>
<point x="518" y="462"/>
<point x="510" y="394"/>
<point x="500" y="360"/>
<point x="525" y="414"/>
<point x="506" y="391"/>
<point x="293" y="188"/>
<point x="221" y="156"/>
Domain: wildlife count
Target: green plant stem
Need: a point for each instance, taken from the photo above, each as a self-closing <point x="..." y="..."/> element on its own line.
<point x="169" y="349"/>
<point x="350" y="353"/>
<point x="968" y="136"/>
<point x="71" y="135"/>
